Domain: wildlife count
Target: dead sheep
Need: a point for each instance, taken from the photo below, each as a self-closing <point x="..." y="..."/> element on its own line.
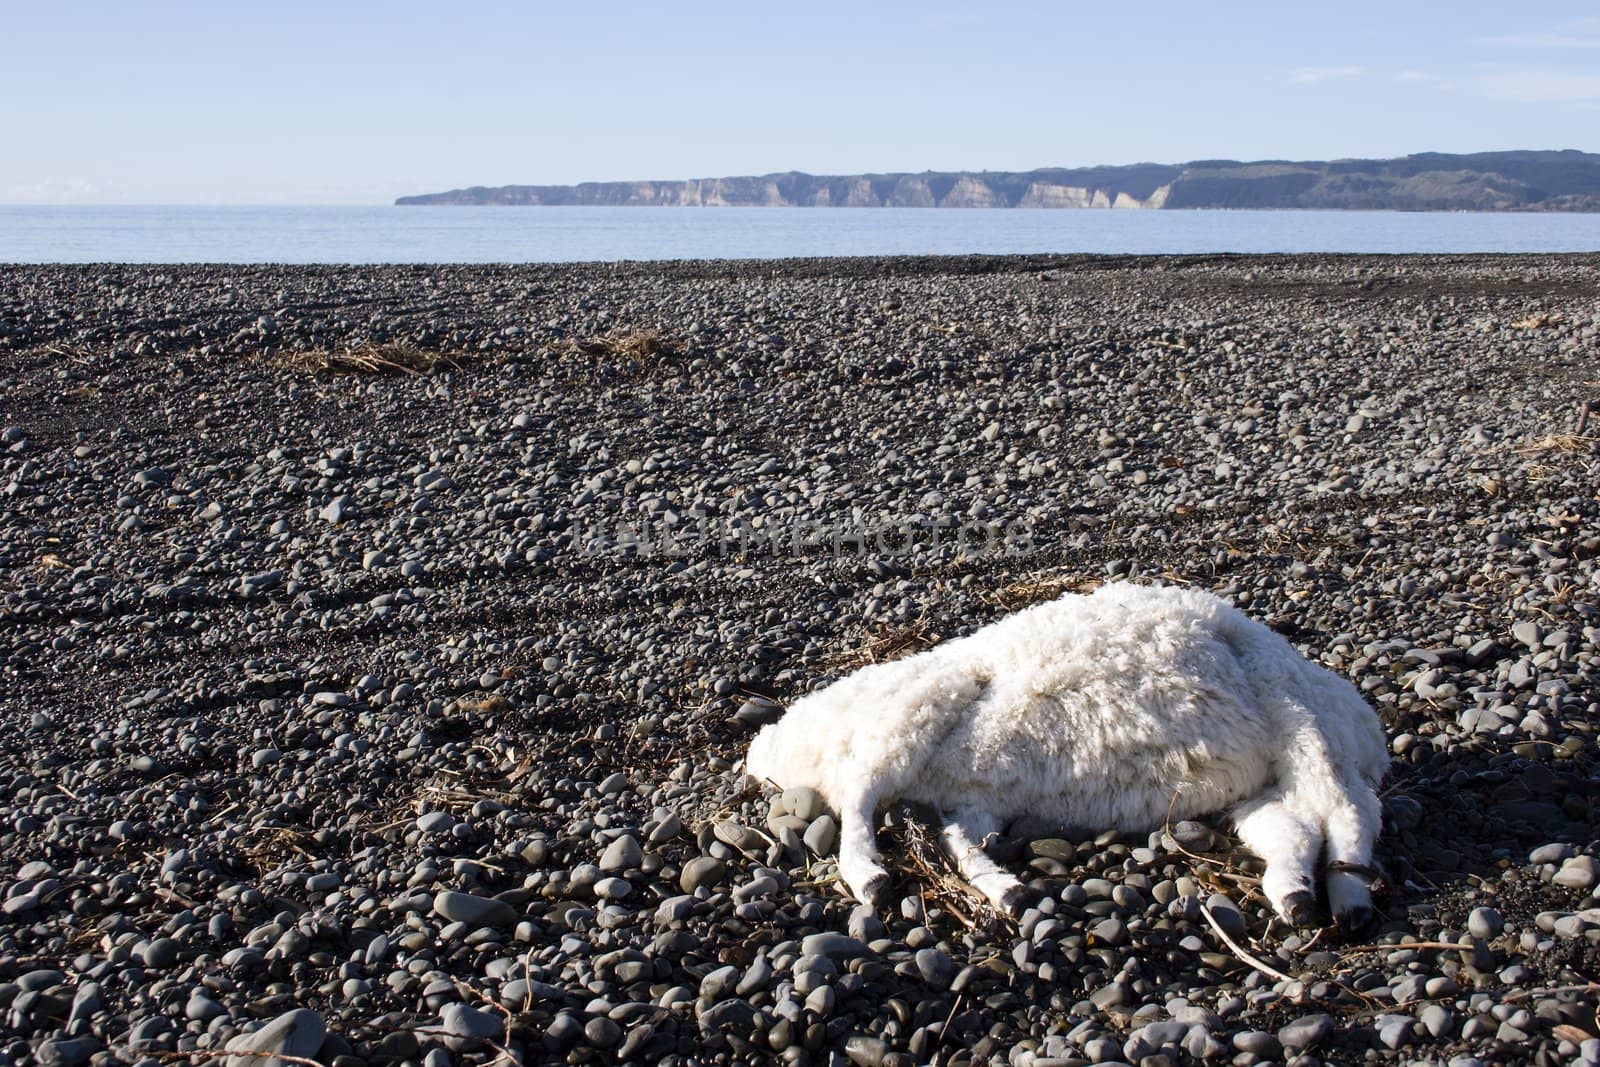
<point x="1122" y="709"/>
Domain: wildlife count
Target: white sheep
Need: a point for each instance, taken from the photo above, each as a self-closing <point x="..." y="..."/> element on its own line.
<point x="1121" y="709"/>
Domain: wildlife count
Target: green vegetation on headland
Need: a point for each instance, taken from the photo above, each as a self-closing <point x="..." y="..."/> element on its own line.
<point x="1483" y="181"/>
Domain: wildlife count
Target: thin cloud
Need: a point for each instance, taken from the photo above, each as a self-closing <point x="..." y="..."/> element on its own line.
<point x="1426" y="78"/>
<point x="1308" y="75"/>
<point x="1541" y="40"/>
<point x="1541" y="86"/>
<point x="1574" y="33"/>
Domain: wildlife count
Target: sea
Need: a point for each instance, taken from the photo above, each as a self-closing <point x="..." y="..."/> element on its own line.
<point x="132" y="234"/>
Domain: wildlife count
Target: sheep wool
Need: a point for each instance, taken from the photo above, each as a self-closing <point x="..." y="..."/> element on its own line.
<point x="1120" y="709"/>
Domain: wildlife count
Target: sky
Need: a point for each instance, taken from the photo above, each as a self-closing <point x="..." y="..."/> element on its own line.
<point x="241" y="102"/>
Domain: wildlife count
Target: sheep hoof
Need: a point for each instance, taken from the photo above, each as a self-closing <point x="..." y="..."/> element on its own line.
<point x="1300" y="908"/>
<point x="874" y="891"/>
<point x="1355" y="922"/>
<point x="1015" y="901"/>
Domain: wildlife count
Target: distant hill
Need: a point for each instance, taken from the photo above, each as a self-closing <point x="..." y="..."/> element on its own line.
<point x="1432" y="181"/>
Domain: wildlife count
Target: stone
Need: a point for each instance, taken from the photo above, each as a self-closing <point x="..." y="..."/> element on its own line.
<point x="864" y="1051"/>
<point x="622" y="854"/>
<point x="1528" y="634"/>
<point x="297" y="1033"/>
<point x="68" y="1052"/>
<point x="833" y="945"/>
<point x="602" y="1032"/>
<point x="719" y="983"/>
<point x="1576" y="873"/>
<point x="1305" y="1032"/>
<point x="803" y="802"/>
<point x="701" y="871"/>
<point x="1485" y="923"/>
<point x="935" y="967"/>
<point x="758" y="712"/>
<point x="474" y="910"/>
<point x="465" y="1027"/>
<point x="436" y="822"/>
<point x="734" y="1015"/>
<point x="821" y="836"/>
<point x="1227" y="914"/>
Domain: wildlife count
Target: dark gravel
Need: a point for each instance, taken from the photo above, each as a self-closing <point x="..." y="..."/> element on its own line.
<point x="345" y="720"/>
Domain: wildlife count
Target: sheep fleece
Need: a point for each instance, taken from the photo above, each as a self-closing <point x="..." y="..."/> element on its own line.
<point x="1115" y="710"/>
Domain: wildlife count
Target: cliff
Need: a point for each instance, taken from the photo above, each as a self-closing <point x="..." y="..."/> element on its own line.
<point x="1484" y="181"/>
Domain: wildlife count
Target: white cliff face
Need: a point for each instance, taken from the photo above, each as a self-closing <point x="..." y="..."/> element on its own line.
<point x="911" y="191"/>
<point x="1049" y="194"/>
<point x="971" y="191"/>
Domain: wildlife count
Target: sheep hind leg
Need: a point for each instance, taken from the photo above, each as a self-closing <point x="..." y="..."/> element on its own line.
<point x="1289" y="841"/>
<point x="963" y="836"/>
<point x="1352" y="828"/>
<point x="859" y="868"/>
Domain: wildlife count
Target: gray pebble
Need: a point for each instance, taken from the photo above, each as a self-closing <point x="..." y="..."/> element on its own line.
<point x="473" y="910"/>
<point x="294" y="1033"/>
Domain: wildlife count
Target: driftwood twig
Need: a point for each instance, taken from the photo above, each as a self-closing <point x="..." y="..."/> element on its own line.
<point x="1244" y="957"/>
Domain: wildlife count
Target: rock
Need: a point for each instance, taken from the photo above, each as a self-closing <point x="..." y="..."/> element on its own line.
<point x="832" y="945"/>
<point x="701" y="871"/>
<point x="436" y="822"/>
<point x="1485" y="923"/>
<point x="821" y="836"/>
<point x="1528" y="634"/>
<point x="297" y="1033"/>
<point x="1437" y="1020"/>
<point x="1393" y="1030"/>
<point x="729" y="1016"/>
<point x="1054" y="848"/>
<point x="935" y="967"/>
<point x="803" y="802"/>
<point x="1576" y="873"/>
<point x="719" y="983"/>
<point x="612" y="888"/>
<point x="738" y="836"/>
<point x="1552" y="853"/>
<point x="602" y="1032"/>
<point x="864" y="1051"/>
<point x="758" y="712"/>
<point x="622" y="854"/>
<point x="473" y="910"/>
<point x="1305" y="1032"/>
<point x="1193" y="836"/>
<point x="1226" y="912"/>
<point x="1258" y="1043"/>
<point x="161" y="953"/>
<point x="465" y="1027"/>
<point x="68" y="1052"/>
<point x="336" y="510"/>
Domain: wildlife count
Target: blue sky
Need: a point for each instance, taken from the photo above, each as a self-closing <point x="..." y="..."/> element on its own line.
<point x="290" y="102"/>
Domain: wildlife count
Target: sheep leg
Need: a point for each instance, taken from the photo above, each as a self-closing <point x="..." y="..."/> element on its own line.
<point x="858" y="848"/>
<point x="963" y="837"/>
<point x="1352" y="828"/>
<point x="1289" y="842"/>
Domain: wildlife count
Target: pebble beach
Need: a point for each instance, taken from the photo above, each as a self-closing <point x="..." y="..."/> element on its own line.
<point x="378" y="647"/>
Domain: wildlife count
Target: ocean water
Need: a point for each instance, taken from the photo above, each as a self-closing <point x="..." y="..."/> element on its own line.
<point x="30" y="234"/>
